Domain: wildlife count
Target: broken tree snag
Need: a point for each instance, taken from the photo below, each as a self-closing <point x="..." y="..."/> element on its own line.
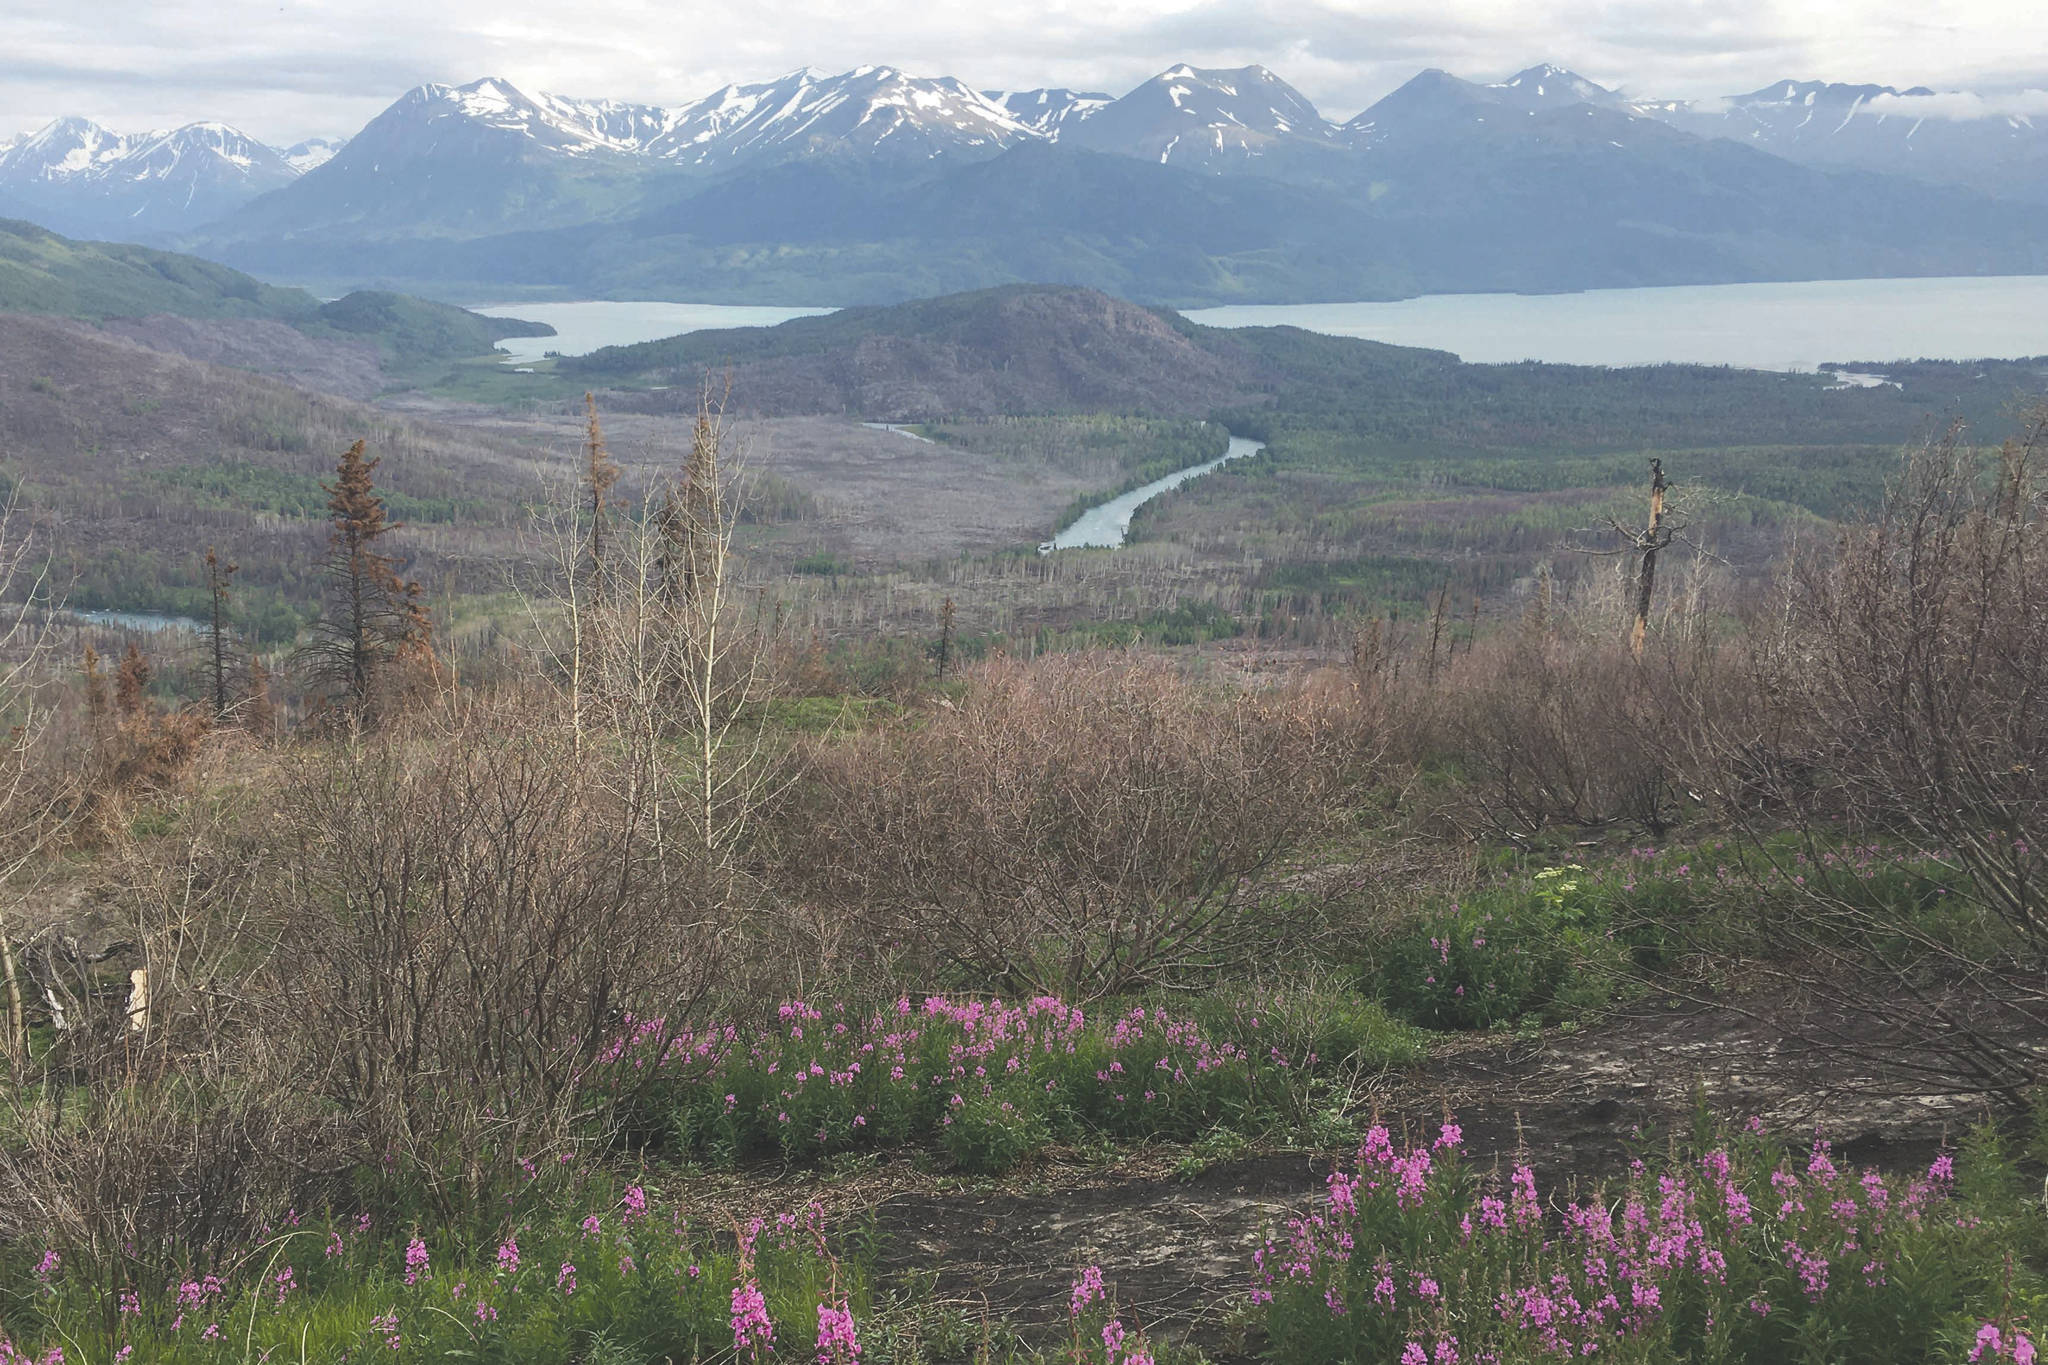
<point x="1653" y="539"/>
<point x="138" y="1000"/>
<point x="16" y="1044"/>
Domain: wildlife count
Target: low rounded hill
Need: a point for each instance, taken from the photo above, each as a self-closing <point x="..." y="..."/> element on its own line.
<point x="1015" y="349"/>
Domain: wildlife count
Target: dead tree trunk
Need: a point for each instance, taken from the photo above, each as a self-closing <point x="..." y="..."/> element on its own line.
<point x="1651" y="542"/>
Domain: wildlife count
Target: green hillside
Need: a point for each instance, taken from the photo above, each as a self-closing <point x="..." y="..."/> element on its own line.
<point x="42" y="272"/>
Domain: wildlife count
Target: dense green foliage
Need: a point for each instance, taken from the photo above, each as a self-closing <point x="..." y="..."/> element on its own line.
<point x="587" y="1267"/>
<point x="413" y="330"/>
<point x="990" y="1084"/>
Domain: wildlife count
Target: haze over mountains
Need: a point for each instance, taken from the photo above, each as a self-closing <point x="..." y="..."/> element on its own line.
<point x="1198" y="186"/>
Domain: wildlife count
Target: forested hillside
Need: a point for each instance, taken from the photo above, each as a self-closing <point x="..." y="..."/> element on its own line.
<point x="41" y="272"/>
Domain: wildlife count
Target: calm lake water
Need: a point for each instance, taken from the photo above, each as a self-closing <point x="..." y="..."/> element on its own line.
<point x="581" y="328"/>
<point x="1755" y="326"/>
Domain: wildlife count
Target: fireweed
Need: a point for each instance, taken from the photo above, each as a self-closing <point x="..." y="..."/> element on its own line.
<point x="630" y="1272"/>
<point x="1729" y="1250"/>
<point x="990" y="1082"/>
<point x="1095" y="1326"/>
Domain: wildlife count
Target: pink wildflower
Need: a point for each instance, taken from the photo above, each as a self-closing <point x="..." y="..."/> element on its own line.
<point x="415" y="1261"/>
<point x="837" y="1344"/>
<point x="1087" y="1290"/>
<point x="752" y="1332"/>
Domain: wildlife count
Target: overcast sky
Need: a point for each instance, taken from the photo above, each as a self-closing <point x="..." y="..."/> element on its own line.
<point x="282" y="72"/>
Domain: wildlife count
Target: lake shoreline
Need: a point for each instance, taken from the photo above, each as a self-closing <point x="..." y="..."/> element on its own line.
<point x="1799" y="326"/>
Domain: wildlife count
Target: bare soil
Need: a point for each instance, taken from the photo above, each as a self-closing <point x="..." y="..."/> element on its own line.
<point x="1577" y="1106"/>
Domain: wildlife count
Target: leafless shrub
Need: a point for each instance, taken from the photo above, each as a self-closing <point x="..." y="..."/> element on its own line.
<point x="1086" y="824"/>
<point x="1906" y="674"/>
<point x="641" y="630"/>
<point x="166" y="1114"/>
<point x="1558" y="720"/>
<point x="468" y="918"/>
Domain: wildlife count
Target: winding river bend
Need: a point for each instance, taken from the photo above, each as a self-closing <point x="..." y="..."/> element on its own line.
<point x="1105" y="525"/>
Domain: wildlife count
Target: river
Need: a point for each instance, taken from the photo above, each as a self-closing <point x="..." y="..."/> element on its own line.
<point x="1105" y="525"/>
<point x="1798" y="326"/>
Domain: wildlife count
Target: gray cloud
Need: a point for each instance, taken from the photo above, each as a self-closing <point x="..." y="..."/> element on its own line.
<point x="284" y="71"/>
<point x="1961" y="106"/>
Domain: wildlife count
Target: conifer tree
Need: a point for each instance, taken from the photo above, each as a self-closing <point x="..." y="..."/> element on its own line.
<point x="220" y="648"/>
<point x="600" y="475"/>
<point x="367" y="618"/>
<point x="131" y="683"/>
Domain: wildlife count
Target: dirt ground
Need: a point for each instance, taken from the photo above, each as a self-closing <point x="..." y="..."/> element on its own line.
<point x="1178" y="1244"/>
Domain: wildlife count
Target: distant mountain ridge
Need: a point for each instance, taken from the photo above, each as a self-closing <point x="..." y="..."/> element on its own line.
<point x="874" y="185"/>
<point x="72" y="175"/>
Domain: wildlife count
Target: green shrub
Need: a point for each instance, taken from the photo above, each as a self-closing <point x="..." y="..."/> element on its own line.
<point x="1540" y="948"/>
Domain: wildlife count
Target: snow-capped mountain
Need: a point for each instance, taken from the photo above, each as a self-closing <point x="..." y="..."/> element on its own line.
<point x="1214" y="120"/>
<point x="1551" y="87"/>
<point x="1048" y="111"/>
<point x="463" y="158"/>
<point x="1434" y="103"/>
<point x="1998" y="145"/>
<point x="64" y="150"/>
<point x="314" y="151"/>
<point x="1196" y="178"/>
<point x="873" y="110"/>
<point x="75" y="176"/>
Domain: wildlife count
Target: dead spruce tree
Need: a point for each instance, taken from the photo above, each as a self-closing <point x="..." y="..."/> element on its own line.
<point x="219" y="640"/>
<point x="374" y="621"/>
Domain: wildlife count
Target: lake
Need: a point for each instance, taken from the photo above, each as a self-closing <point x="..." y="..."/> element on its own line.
<point x="1755" y="326"/>
<point x="581" y="328"/>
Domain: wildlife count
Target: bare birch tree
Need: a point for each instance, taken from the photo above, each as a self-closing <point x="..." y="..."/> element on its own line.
<point x="642" y="630"/>
<point x="25" y="822"/>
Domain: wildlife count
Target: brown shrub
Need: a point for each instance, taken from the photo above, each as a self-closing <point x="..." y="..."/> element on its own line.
<point x="1085" y="824"/>
<point x="182" y="1123"/>
<point x="467" y="918"/>
<point x="1906" y="674"/>
<point x="1555" y="721"/>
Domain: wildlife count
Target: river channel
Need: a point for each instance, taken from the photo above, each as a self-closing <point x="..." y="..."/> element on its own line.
<point x="1105" y="525"/>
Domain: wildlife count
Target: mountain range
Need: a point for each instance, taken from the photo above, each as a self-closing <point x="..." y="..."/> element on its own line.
<point x="1200" y="185"/>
